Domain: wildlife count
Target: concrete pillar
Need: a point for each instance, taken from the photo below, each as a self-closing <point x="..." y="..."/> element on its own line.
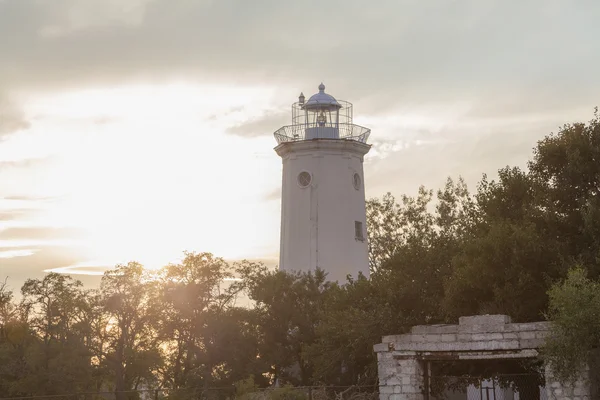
<point x="400" y="379"/>
<point x="578" y="390"/>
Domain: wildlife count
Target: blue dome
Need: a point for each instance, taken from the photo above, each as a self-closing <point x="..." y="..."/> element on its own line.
<point x="321" y="101"/>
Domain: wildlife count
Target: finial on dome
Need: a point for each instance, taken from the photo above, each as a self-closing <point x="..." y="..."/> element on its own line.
<point x="321" y="87"/>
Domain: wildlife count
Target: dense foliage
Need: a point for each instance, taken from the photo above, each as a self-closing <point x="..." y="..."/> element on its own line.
<point x="206" y="323"/>
<point x="575" y="312"/>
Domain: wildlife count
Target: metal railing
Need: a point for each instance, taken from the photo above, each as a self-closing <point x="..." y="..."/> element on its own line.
<point x="292" y="133"/>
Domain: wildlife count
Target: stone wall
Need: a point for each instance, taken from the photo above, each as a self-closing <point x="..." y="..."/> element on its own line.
<point x="494" y="333"/>
<point x="578" y="390"/>
<point x="402" y="358"/>
<point x="400" y="379"/>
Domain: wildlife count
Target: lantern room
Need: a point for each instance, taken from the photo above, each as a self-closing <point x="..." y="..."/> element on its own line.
<point x="322" y="116"/>
<point x="321" y="109"/>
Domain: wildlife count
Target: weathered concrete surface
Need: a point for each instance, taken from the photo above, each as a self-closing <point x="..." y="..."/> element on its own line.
<point x="401" y="358"/>
<point x="478" y="333"/>
<point x="403" y="378"/>
<point x="579" y="390"/>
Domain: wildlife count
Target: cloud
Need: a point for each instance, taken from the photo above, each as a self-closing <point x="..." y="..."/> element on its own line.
<point x="24" y="163"/>
<point x="11" y="118"/>
<point x="273" y="195"/>
<point x="93" y="269"/>
<point x="396" y="53"/>
<point x="80" y="16"/>
<point x="82" y="268"/>
<point x="260" y="126"/>
<point x="12" y="215"/>
<point x="42" y="258"/>
<point x="448" y="88"/>
<point x="104" y="120"/>
<point x="461" y="150"/>
<point x="17" y="253"/>
<point x="30" y="198"/>
<point x="39" y="233"/>
<point x="36" y="265"/>
<point x="22" y="207"/>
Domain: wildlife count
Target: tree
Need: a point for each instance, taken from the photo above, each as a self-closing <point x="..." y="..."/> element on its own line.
<point x="530" y="227"/>
<point x="128" y="346"/>
<point x="566" y="170"/>
<point x="55" y="306"/>
<point x="354" y="318"/>
<point x="384" y="233"/>
<point x="56" y="357"/>
<point x="432" y="259"/>
<point x="287" y="307"/>
<point x="209" y="338"/>
<point x="504" y="265"/>
<point x="574" y="310"/>
<point x="8" y="308"/>
<point x="413" y="246"/>
<point x="14" y="335"/>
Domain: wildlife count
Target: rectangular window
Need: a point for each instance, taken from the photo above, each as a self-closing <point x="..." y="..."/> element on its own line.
<point x="358" y="231"/>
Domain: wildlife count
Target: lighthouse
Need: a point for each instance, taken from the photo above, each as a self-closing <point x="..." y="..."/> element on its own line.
<point x="323" y="215"/>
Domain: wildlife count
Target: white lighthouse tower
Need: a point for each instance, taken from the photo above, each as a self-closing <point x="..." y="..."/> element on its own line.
<point x="323" y="217"/>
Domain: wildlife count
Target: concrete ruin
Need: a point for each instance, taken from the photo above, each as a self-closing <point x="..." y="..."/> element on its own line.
<point x="404" y="361"/>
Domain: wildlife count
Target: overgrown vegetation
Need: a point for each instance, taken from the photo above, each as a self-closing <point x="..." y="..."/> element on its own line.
<point x="433" y="258"/>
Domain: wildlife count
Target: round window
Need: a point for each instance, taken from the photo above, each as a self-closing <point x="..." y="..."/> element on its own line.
<point x="304" y="179"/>
<point x="356" y="181"/>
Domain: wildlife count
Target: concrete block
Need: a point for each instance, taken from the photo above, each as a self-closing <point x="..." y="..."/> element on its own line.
<point x="411" y="389"/>
<point x="447" y="346"/>
<point x="485" y="320"/>
<point x="527" y="335"/>
<point x="508" y="345"/>
<point x="393" y="381"/>
<point x="532" y="326"/>
<point x="390" y="338"/>
<point x="387" y="362"/>
<point x="381" y="347"/>
<point x="449" y="337"/>
<point x="401" y="355"/>
<point x="418" y="338"/>
<point x="543" y="325"/>
<point x="487" y="336"/>
<point x="480" y="328"/>
<point x="433" y="338"/>
<point x="531" y="343"/>
<point x="434" y="329"/>
<point x="449" y="329"/>
<point x="464" y="337"/>
<point x="421" y="329"/>
<point x="408" y="369"/>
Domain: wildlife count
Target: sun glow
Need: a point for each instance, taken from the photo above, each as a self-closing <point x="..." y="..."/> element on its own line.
<point x="146" y="172"/>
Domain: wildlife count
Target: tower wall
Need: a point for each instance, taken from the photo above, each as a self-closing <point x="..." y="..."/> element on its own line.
<point x="318" y="221"/>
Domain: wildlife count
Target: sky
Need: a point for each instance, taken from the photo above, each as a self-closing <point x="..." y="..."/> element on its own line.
<point x="137" y="129"/>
